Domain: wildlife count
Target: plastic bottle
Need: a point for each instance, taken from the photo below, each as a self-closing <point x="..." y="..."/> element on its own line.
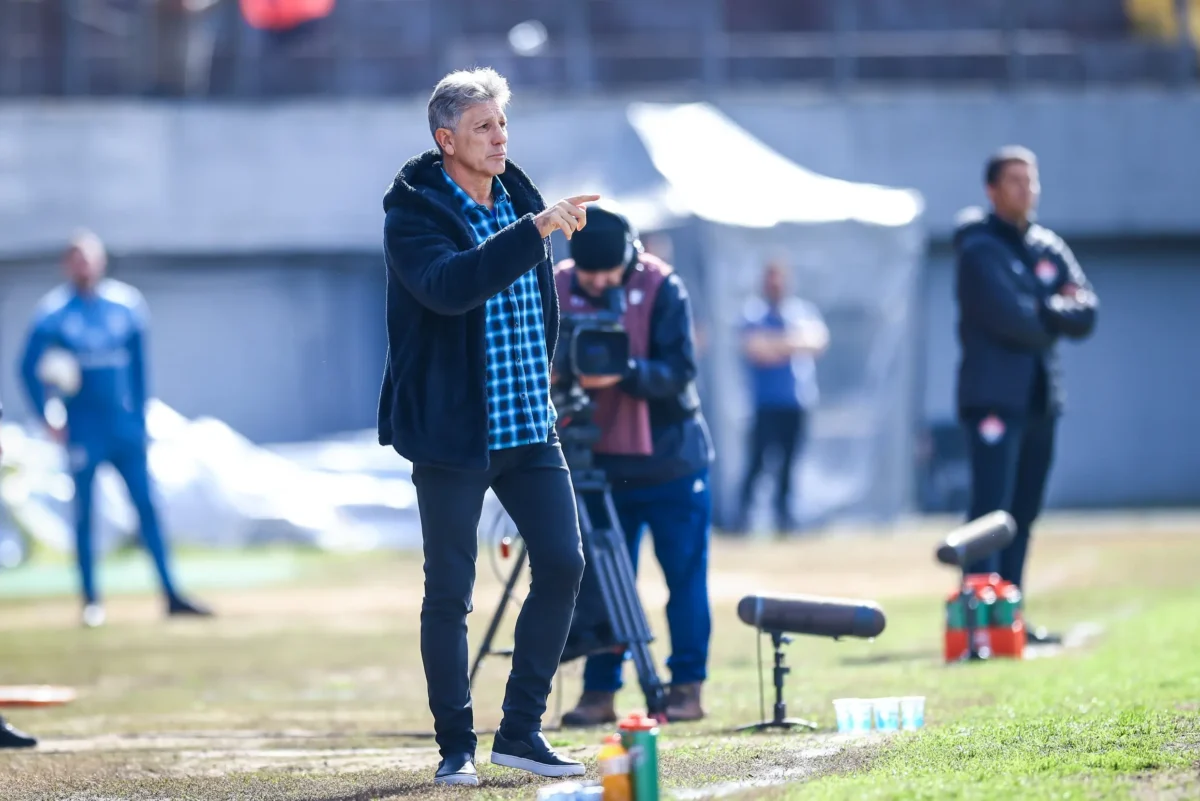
<point x="615" y="770"/>
<point x="639" y="735"/>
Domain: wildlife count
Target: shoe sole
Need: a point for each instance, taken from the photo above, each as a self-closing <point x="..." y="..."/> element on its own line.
<point x="537" y="768"/>
<point x="463" y="779"/>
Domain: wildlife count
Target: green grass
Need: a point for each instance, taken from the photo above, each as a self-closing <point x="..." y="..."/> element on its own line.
<point x="309" y="687"/>
<point x="1083" y="726"/>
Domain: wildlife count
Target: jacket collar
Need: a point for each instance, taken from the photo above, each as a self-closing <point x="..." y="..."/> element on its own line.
<point x="421" y="182"/>
<point x="1007" y="230"/>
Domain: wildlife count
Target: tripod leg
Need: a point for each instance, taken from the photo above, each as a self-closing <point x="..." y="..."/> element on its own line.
<point x="623" y="580"/>
<point x="651" y="684"/>
<point x="618" y="586"/>
<point x="485" y="647"/>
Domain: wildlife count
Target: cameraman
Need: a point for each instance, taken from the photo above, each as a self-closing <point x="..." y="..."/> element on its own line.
<point x="654" y="447"/>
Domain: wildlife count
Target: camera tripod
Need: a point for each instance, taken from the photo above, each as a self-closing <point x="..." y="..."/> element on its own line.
<point x="606" y="554"/>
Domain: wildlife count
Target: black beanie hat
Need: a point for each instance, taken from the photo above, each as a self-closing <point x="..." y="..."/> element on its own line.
<point x="607" y="241"/>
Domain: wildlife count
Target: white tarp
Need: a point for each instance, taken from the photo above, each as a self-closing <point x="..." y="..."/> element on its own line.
<point x="217" y="489"/>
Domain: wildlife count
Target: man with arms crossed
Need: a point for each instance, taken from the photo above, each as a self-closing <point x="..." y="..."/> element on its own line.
<point x="1019" y="292"/>
<point x="782" y="337"/>
<point x="472" y="321"/>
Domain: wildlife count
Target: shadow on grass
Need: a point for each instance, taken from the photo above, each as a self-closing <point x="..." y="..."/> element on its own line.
<point x="892" y="658"/>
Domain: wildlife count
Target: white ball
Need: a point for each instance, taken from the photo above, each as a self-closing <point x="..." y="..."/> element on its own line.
<point x="59" y="369"/>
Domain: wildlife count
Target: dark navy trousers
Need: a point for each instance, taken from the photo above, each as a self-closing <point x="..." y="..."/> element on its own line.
<point x="679" y="515"/>
<point x="533" y="485"/>
<point x="1010" y="462"/>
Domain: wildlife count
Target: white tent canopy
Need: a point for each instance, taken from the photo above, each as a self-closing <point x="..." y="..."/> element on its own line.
<point x="854" y="250"/>
<point x="766" y="189"/>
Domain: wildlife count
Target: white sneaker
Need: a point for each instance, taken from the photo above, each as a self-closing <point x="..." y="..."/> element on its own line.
<point x="93" y="616"/>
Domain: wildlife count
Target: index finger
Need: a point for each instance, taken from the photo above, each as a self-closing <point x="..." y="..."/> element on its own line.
<point x="575" y="201"/>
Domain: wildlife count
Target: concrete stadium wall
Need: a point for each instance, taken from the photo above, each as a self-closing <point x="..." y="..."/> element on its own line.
<point x="280" y="347"/>
<point x="295" y="177"/>
<point x="200" y="202"/>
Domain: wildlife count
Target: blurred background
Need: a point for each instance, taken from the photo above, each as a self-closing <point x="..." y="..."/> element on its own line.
<point x="234" y="154"/>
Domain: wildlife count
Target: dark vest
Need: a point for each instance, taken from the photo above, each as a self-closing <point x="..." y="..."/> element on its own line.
<point x="624" y="420"/>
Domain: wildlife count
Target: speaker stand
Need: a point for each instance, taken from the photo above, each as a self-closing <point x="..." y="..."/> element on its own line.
<point x="780" y="719"/>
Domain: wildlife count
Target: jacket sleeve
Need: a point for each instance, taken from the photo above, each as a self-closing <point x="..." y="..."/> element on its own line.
<point x="137" y="358"/>
<point x="672" y="363"/>
<point x="35" y="345"/>
<point x="1072" y="316"/>
<point x="994" y="303"/>
<point x="448" y="281"/>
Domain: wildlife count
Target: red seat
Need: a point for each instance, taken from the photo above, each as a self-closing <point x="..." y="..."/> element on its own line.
<point x="280" y="15"/>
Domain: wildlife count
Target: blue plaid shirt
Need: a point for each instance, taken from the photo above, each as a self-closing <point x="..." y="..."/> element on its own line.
<point x="518" y="368"/>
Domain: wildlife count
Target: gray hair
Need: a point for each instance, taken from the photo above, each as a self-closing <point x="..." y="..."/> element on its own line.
<point x="460" y="90"/>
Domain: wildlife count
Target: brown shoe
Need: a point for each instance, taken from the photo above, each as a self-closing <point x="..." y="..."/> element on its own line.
<point x="594" y="709"/>
<point x="683" y="703"/>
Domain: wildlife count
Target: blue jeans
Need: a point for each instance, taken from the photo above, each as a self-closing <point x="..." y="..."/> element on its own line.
<point x="679" y="513"/>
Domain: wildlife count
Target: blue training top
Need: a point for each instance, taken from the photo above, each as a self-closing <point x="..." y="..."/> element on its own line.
<point x="790" y="384"/>
<point x="105" y="332"/>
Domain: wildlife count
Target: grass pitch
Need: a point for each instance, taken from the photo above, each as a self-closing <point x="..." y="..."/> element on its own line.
<point x="309" y="686"/>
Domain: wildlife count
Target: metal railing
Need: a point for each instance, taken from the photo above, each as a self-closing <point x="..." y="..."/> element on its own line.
<point x="137" y="48"/>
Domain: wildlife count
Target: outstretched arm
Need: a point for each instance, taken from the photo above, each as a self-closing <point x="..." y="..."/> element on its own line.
<point x="449" y="281"/>
<point x="35" y="345"/>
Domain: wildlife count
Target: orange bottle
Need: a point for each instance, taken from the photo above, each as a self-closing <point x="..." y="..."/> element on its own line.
<point x="614" y="766"/>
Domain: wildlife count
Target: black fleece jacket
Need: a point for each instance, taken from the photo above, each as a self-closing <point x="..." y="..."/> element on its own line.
<point x="433" y="401"/>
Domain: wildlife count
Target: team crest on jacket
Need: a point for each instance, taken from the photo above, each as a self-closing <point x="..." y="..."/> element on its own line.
<point x="1046" y="271"/>
<point x="991" y="429"/>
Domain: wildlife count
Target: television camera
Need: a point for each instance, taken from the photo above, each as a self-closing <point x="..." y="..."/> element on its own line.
<point x="591" y="343"/>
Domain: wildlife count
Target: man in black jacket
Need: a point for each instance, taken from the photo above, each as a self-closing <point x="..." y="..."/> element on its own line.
<point x="654" y="448"/>
<point x="472" y="323"/>
<point x="1019" y="291"/>
<point x="11" y="737"/>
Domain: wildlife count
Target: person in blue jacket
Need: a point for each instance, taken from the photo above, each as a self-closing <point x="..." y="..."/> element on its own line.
<point x="101" y="323"/>
<point x="1020" y="291"/>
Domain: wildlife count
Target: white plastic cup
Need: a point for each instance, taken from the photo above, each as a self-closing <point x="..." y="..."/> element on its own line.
<point x="912" y="712"/>
<point x="843" y="708"/>
<point x="887" y="713"/>
<point x="860" y="715"/>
